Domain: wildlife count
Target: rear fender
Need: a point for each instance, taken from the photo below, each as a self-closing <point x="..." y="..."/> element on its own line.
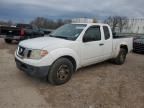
<point x="117" y="49"/>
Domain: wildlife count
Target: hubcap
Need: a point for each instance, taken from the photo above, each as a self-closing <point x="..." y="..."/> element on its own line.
<point x="63" y="72"/>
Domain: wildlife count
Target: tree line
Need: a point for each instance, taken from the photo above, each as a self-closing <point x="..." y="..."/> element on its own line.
<point x="49" y="23"/>
<point x="41" y="22"/>
<point x="6" y="23"/>
<point x="117" y="23"/>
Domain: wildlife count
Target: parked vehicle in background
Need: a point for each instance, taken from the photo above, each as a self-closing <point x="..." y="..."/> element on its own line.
<point x="20" y="32"/>
<point x="46" y="31"/>
<point x="138" y="44"/>
<point x="69" y="48"/>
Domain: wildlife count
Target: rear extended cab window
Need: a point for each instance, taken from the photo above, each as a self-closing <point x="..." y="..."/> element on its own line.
<point x="106" y="32"/>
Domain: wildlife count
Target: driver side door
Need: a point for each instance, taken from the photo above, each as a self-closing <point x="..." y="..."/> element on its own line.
<point x="92" y="46"/>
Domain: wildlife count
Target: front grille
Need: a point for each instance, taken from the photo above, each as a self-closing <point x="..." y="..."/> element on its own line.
<point x="24" y="52"/>
<point x="10" y="33"/>
<point x="21" y="51"/>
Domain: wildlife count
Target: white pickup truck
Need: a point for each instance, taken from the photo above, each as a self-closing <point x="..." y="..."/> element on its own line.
<point x="70" y="47"/>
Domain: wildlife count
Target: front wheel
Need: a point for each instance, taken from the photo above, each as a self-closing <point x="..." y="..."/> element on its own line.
<point x="60" y="72"/>
<point x="120" y="59"/>
<point x="8" y="41"/>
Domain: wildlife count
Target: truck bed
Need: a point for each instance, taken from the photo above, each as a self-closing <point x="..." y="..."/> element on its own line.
<point x="117" y="41"/>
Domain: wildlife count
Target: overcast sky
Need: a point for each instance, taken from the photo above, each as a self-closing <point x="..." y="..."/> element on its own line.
<point x="26" y="10"/>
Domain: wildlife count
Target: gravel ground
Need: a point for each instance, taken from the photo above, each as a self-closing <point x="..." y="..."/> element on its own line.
<point x="103" y="85"/>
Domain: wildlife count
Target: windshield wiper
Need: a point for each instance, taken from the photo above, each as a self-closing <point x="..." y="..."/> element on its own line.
<point x="62" y="37"/>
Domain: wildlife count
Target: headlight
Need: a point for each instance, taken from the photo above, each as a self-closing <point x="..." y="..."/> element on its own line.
<point x="38" y="54"/>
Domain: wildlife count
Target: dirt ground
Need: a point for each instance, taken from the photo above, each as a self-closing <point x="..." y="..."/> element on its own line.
<point x="103" y="85"/>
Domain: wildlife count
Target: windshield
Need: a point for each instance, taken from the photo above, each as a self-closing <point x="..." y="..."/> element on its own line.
<point x="68" y="31"/>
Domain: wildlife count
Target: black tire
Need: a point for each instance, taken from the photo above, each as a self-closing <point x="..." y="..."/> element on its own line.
<point x="8" y="41"/>
<point x="60" y="72"/>
<point x="120" y="59"/>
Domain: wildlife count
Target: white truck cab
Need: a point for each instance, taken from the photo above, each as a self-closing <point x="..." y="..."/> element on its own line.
<point x="70" y="47"/>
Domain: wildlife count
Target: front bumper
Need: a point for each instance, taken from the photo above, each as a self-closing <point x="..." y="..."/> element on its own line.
<point x="12" y="37"/>
<point x="40" y="72"/>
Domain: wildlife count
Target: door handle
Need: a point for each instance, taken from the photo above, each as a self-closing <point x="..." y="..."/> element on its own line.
<point x="101" y="44"/>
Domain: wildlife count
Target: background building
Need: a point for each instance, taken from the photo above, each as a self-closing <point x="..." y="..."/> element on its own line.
<point x="135" y="26"/>
<point x="82" y="20"/>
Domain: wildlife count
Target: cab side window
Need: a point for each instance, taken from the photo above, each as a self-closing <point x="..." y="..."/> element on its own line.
<point x="106" y="32"/>
<point x="92" y="34"/>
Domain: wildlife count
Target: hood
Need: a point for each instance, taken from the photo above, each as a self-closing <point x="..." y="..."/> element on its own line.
<point x="42" y="42"/>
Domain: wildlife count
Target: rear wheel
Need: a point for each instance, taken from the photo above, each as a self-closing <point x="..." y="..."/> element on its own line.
<point x="120" y="59"/>
<point x="60" y="72"/>
<point x="8" y="41"/>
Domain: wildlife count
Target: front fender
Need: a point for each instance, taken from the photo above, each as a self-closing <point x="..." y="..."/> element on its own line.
<point x="61" y="52"/>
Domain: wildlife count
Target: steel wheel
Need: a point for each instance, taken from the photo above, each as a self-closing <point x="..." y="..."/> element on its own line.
<point x="120" y="59"/>
<point x="62" y="73"/>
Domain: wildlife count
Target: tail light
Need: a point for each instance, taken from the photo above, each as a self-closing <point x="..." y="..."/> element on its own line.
<point x="22" y="32"/>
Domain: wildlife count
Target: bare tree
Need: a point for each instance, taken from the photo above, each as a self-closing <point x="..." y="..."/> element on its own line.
<point x="60" y="22"/>
<point x="123" y="23"/>
<point x="40" y="22"/>
<point x="6" y="23"/>
<point x="95" y="20"/>
<point x="117" y="22"/>
<point x="112" y="21"/>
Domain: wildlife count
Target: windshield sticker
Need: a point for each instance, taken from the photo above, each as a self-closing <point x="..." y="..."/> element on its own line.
<point x="80" y="27"/>
<point x="77" y="35"/>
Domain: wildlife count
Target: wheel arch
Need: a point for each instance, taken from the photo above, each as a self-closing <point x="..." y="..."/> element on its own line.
<point x="118" y="47"/>
<point x="71" y="59"/>
<point x="66" y="53"/>
<point x="124" y="46"/>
